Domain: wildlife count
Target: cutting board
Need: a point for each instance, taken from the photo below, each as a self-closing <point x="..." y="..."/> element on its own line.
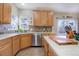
<point x="63" y="41"/>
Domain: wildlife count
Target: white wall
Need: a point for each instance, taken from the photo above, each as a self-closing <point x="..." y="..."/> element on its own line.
<point x="25" y="13"/>
<point x="14" y="10"/>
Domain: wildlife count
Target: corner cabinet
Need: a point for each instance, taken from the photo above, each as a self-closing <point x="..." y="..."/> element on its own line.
<point x="42" y="18"/>
<point x="5" y="13"/>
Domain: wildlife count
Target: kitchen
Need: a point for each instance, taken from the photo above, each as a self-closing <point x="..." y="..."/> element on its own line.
<point x="39" y="28"/>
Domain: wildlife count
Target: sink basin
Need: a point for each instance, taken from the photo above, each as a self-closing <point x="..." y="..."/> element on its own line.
<point x="64" y="37"/>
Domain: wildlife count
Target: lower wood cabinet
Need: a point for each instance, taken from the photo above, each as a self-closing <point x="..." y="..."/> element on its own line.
<point x="16" y="44"/>
<point x="26" y="40"/>
<point x="6" y="47"/>
<point x="10" y="46"/>
<point x="45" y="48"/>
<point x="51" y="52"/>
<point x="48" y="51"/>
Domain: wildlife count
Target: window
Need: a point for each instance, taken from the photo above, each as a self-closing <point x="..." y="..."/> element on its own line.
<point x="66" y="22"/>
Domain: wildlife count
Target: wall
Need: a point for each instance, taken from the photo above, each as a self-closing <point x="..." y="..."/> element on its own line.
<point x="14" y="21"/>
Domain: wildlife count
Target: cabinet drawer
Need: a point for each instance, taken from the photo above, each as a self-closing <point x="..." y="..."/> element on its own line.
<point x="25" y="44"/>
<point x="26" y="35"/>
<point x="6" y="49"/>
<point x="4" y="41"/>
<point x="26" y="38"/>
<point x="26" y="41"/>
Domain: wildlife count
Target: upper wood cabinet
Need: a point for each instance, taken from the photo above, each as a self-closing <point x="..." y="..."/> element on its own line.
<point x="43" y="18"/>
<point x="37" y="17"/>
<point x="50" y="18"/>
<point x="5" y="13"/>
<point x="1" y="12"/>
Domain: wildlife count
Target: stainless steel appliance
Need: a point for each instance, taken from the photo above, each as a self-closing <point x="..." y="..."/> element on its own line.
<point x="37" y="41"/>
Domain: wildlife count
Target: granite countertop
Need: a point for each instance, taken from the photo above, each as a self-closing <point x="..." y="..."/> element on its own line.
<point x="7" y="36"/>
<point x="63" y="50"/>
<point x="3" y="36"/>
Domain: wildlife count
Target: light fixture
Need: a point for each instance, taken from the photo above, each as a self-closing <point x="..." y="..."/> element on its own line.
<point x="22" y="3"/>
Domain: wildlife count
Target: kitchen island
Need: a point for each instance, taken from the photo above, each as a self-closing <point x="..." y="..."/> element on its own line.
<point x="62" y="50"/>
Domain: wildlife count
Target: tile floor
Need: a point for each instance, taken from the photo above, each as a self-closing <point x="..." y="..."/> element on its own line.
<point x="32" y="51"/>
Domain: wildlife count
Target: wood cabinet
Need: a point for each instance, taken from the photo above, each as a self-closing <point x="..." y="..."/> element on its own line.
<point x="6" y="47"/>
<point x="36" y="18"/>
<point x="1" y="13"/>
<point x="16" y="44"/>
<point x="51" y="52"/>
<point x="10" y="46"/>
<point x="50" y="18"/>
<point x="48" y="51"/>
<point x="45" y="48"/>
<point x="43" y="18"/>
<point x="5" y="13"/>
<point x="26" y="40"/>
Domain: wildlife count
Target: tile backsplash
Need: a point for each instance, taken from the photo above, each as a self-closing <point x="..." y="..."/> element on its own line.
<point x="42" y="29"/>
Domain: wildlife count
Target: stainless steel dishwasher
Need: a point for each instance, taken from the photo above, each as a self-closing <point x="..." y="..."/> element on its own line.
<point x="37" y="41"/>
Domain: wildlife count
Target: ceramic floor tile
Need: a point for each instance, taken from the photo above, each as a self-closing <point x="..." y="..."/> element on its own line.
<point x="32" y="51"/>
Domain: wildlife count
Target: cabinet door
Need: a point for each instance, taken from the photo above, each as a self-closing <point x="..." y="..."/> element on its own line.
<point x="6" y="49"/>
<point x="6" y="13"/>
<point x="16" y="44"/>
<point x="51" y="52"/>
<point x="37" y="21"/>
<point x="50" y="18"/>
<point x="44" y="18"/>
<point x="26" y="41"/>
<point x="45" y="47"/>
<point x="1" y="12"/>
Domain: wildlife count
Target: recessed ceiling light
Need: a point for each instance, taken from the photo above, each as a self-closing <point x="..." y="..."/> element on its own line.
<point x="22" y="3"/>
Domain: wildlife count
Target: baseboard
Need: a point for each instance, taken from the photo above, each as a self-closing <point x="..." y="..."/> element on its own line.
<point x="36" y="46"/>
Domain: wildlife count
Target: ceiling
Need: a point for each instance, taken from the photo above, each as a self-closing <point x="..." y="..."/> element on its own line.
<point x="58" y="7"/>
